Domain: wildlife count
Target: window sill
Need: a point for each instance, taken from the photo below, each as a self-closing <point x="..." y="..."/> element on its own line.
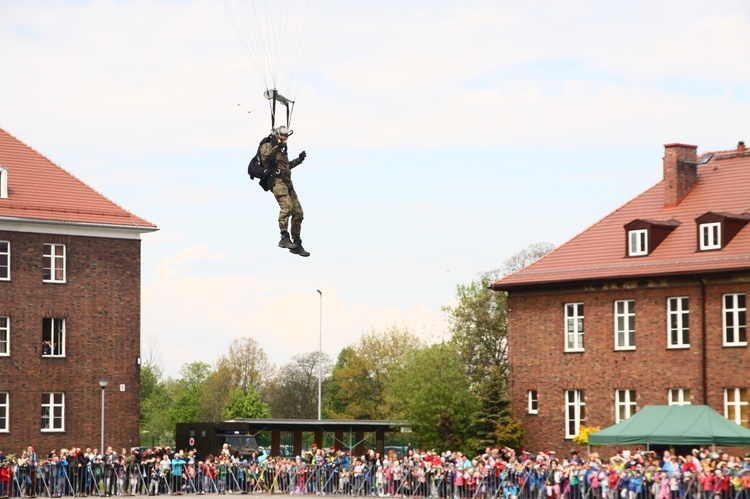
<point x="624" y="349"/>
<point x="733" y="345"/>
<point x="53" y="356"/>
<point x="678" y="347"/>
<point x="52" y="282"/>
<point x="53" y="431"/>
<point x="575" y="350"/>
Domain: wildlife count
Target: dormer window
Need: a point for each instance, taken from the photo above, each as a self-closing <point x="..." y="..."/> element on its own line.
<point x="638" y="242"/>
<point x="710" y="236"/>
<point x="716" y="230"/>
<point x="643" y="236"/>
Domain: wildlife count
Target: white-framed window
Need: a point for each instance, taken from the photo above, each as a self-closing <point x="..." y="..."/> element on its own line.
<point x="735" y="320"/>
<point x="4" y="336"/>
<point x="575" y="412"/>
<point x="625" y="325"/>
<point x="679" y="396"/>
<point x="625" y="404"/>
<point x="710" y="236"/>
<point x="53" y="337"/>
<point x="574" y="327"/>
<point x="638" y="242"/>
<point x="533" y="402"/>
<point x="4" y="260"/>
<point x="4" y="405"/>
<point x="54" y="263"/>
<point x="736" y="405"/>
<point x="678" y="322"/>
<point x="53" y="411"/>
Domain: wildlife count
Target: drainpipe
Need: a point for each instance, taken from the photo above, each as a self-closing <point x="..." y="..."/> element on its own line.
<point x="704" y="356"/>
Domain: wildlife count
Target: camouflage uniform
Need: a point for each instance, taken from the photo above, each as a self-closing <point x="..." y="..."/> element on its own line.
<point x="282" y="186"/>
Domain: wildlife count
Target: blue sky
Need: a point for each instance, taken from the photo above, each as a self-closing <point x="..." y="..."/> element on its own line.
<point x="442" y="138"/>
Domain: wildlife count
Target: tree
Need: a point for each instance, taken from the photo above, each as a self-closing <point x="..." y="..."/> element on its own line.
<point x="245" y="405"/>
<point x="361" y="381"/>
<point x="215" y="395"/>
<point x="293" y="394"/>
<point x="155" y="424"/>
<point x="432" y="391"/>
<point x="333" y="403"/>
<point x="246" y="364"/>
<point x="478" y="324"/>
<point x="186" y="392"/>
<point x="526" y="256"/>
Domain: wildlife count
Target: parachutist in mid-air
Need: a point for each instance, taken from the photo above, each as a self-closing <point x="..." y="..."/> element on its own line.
<point x="273" y="155"/>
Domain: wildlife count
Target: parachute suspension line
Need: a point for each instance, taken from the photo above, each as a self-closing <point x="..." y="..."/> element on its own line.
<point x="266" y="50"/>
<point x="296" y="38"/>
<point x="254" y="62"/>
<point x="307" y="62"/>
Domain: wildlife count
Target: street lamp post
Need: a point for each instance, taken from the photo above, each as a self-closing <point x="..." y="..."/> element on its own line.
<point x="103" y="384"/>
<point x="320" y="354"/>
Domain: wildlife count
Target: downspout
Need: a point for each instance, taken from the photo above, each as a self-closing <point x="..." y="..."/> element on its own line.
<point x="704" y="356"/>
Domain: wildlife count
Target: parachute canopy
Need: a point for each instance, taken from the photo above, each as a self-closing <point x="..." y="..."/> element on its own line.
<point x="283" y="40"/>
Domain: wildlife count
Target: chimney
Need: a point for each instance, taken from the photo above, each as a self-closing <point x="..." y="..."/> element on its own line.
<point x="680" y="172"/>
<point x="741" y="146"/>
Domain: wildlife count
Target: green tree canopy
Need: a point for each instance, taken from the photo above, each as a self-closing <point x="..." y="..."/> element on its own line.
<point x="243" y="404"/>
<point x="432" y="391"/>
<point x="478" y="324"/>
<point x="186" y="392"/>
<point x="360" y="378"/>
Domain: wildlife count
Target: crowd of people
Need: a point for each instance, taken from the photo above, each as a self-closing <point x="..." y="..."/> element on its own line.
<point x="498" y="473"/>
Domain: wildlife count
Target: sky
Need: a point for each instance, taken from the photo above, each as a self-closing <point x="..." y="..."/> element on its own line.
<point x="442" y="137"/>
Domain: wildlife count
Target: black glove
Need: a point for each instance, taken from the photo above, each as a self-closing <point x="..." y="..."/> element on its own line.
<point x="302" y="156"/>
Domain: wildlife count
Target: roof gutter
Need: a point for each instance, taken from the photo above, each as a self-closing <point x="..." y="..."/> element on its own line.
<point x="139" y="228"/>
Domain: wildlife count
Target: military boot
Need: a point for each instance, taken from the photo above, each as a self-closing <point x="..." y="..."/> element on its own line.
<point x="286" y="241"/>
<point x="298" y="249"/>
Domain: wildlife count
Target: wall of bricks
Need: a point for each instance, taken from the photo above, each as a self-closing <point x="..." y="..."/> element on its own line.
<point x="538" y="361"/>
<point x="100" y="302"/>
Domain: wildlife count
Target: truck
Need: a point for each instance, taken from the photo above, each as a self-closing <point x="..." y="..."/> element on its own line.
<point x="209" y="438"/>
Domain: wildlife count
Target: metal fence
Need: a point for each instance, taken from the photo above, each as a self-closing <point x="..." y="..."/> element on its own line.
<point x="390" y="480"/>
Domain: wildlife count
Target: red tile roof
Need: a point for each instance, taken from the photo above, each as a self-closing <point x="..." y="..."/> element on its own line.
<point x="40" y="190"/>
<point x="600" y="252"/>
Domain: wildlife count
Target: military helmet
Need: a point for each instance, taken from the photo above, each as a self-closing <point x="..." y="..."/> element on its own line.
<point x="282" y="130"/>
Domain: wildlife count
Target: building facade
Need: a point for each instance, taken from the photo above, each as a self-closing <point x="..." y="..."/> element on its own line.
<point x="69" y="308"/>
<point x="647" y="306"/>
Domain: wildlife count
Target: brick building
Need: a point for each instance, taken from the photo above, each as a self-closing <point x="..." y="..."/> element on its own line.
<point x="646" y="306"/>
<point x="69" y="308"/>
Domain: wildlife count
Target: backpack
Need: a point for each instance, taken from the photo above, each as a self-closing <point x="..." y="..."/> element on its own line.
<point x="255" y="168"/>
